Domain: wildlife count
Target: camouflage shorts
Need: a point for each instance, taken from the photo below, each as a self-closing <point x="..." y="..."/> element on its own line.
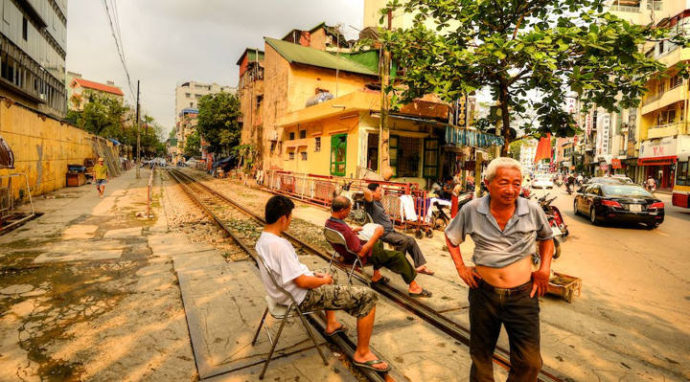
<point x="357" y="301"/>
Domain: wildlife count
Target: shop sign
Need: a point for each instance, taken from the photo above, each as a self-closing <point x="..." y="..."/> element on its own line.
<point x="616" y="163"/>
<point x="658" y="148"/>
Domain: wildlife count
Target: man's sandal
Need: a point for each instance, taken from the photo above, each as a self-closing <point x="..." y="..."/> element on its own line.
<point x="382" y="281"/>
<point x="423" y="293"/>
<point x="370" y="365"/>
<point x="340" y="329"/>
<point x="426" y="271"/>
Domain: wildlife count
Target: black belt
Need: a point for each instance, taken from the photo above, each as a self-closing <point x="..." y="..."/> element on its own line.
<point x="506" y="291"/>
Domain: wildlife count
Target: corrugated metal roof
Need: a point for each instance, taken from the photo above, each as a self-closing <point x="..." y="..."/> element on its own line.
<point x="295" y="53"/>
<point x="252" y="55"/>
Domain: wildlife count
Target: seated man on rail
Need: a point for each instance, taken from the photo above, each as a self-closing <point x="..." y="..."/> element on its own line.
<point x="314" y="290"/>
<point x="406" y="244"/>
<point x="371" y="251"/>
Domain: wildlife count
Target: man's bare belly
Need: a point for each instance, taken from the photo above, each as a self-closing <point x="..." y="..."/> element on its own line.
<point x="509" y="276"/>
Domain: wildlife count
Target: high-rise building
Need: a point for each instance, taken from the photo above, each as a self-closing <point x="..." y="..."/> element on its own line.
<point x="33" y="37"/>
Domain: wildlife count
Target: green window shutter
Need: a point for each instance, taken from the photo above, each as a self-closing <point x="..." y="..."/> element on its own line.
<point x="338" y="154"/>
<point x="431" y="158"/>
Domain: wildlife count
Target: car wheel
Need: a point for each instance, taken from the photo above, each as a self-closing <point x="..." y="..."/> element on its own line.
<point x="593" y="216"/>
<point x="575" y="207"/>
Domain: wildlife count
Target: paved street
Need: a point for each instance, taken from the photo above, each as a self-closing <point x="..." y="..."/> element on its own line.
<point x="634" y="278"/>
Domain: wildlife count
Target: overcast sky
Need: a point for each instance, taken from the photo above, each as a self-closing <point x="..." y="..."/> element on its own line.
<point x="167" y="42"/>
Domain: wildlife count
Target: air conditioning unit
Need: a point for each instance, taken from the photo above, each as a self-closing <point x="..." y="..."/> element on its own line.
<point x="43" y="97"/>
<point x="273" y="136"/>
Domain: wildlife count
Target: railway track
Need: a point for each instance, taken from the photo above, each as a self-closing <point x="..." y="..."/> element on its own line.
<point x="214" y="201"/>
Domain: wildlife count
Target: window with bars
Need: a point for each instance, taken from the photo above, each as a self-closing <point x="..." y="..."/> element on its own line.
<point x="317" y="144"/>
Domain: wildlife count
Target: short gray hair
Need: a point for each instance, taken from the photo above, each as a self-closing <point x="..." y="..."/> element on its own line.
<point x="340" y="203"/>
<point x="501" y="162"/>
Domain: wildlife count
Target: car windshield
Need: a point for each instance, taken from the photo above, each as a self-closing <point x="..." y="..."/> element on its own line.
<point x="625" y="191"/>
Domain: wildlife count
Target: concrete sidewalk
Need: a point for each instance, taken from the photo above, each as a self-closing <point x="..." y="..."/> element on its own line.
<point x="93" y="290"/>
<point x="85" y="297"/>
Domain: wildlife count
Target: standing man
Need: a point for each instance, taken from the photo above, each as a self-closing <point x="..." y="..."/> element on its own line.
<point x="100" y="175"/>
<point x="503" y="288"/>
<point x="405" y="244"/>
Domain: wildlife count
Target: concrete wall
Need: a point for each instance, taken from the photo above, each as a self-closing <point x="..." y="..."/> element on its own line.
<point x="42" y="146"/>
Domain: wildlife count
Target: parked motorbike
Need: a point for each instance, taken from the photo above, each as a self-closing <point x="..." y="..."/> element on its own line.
<point x="440" y="215"/>
<point x="357" y="214"/>
<point x="555" y="218"/>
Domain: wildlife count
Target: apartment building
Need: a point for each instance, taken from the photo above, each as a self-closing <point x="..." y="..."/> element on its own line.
<point x="188" y="94"/>
<point x="661" y="131"/>
<point x="33" y="36"/>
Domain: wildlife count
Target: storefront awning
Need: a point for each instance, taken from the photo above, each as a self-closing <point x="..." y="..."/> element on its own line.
<point x="657" y="161"/>
<point x="462" y="137"/>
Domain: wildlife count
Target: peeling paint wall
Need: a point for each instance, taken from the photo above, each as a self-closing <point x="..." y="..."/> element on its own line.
<point x="42" y="146"/>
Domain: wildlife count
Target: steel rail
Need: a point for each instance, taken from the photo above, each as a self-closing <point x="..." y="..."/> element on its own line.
<point x="427" y="313"/>
<point x="346" y="345"/>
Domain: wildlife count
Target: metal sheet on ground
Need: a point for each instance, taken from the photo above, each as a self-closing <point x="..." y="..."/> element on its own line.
<point x="223" y="307"/>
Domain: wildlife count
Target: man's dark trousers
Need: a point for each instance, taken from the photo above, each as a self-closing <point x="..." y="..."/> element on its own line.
<point x="405" y="244"/>
<point x="520" y="315"/>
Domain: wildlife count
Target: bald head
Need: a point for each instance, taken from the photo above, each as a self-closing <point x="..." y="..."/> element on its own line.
<point x="340" y="203"/>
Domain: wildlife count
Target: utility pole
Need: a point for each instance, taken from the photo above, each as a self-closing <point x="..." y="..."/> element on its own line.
<point x="138" y="136"/>
<point x="384" y="132"/>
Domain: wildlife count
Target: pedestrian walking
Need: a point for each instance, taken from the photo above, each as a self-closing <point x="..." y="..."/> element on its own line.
<point x="503" y="288"/>
<point x="100" y="174"/>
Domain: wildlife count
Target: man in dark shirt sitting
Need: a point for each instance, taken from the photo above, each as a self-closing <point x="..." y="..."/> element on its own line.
<point x="372" y="196"/>
<point x="371" y="251"/>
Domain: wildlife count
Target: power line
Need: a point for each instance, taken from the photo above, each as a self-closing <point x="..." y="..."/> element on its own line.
<point x="120" y="50"/>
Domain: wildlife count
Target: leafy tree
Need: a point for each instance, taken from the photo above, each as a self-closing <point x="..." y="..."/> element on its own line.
<point x="192" y="146"/>
<point x="102" y="115"/>
<point x="529" y="53"/>
<point x="219" y="122"/>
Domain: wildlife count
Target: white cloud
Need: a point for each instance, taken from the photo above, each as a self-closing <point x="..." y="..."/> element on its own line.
<point x="167" y="42"/>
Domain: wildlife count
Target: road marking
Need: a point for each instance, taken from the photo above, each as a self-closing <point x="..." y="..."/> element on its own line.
<point x="663" y="234"/>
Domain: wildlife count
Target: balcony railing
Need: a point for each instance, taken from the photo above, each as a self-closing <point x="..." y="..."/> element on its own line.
<point x="665" y="130"/>
<point x="651" y="98"/>
<point x="625" y="8"/>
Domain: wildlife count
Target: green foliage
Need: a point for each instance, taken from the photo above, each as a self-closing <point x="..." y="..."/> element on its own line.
<point x="515" y="148"/>
<point x="219" y="121"/>
<point x="192" y="146"/>
<point x="530" y="54"/>
<point x="107" y="117"/>
<point x="247" y="154"/>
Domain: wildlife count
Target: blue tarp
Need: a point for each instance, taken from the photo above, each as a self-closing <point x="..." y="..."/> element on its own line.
<point x="114" y="141"/>
<point x="462" y="137"/>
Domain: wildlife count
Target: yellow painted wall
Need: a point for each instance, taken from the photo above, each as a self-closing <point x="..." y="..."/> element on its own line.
<point x="43" y="147"/>
<point x="304" y="80"/>
<point x="318" y="162"/>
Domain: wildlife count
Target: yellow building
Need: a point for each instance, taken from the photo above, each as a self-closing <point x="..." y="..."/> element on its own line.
<point x="663" y="115"/>
<point x="319" y="113"/>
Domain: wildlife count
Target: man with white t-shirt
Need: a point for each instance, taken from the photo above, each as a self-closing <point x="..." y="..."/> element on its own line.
<point x="314" y="290"/>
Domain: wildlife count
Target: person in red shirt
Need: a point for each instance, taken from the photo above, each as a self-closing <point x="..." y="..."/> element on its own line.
<point x="371" y="251"/>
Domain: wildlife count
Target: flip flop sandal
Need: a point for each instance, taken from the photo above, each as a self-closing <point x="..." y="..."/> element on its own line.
<point x="370" y="365"/>
<point x="341" y="329"/>
<point x="382" y="281"/>
<point x="426" y="272"/>
<point x="423" y="294"/>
